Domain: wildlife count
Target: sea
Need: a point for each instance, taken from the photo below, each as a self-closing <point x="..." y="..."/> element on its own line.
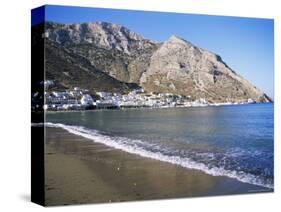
<point x="235" y="141"/>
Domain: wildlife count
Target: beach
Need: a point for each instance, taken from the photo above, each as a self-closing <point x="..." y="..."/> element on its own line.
<point x="79" y="170"/>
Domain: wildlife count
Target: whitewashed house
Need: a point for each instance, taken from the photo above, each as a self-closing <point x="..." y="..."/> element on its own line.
<point x="86" y="100"/>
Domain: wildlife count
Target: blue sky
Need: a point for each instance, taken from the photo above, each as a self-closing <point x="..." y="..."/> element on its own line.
<point x="245" y="44"/>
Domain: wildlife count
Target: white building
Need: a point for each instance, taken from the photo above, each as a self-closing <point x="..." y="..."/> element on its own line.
<point x="104" y="94"/>
<point x="86" y="100"/>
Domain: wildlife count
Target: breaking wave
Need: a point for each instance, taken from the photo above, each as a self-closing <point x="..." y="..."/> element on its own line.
<point x="147" y="150"/>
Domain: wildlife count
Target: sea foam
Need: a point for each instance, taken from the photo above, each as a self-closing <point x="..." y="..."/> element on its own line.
<point x="141" y="148"/>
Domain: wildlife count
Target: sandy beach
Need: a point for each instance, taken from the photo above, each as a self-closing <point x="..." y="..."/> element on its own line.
<point x="78" y="170"/>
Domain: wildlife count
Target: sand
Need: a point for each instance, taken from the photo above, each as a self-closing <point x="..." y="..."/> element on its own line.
<point x="78" y="170"/>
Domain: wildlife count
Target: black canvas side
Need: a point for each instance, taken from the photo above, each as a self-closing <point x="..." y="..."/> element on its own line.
<point x="37" y="102"/>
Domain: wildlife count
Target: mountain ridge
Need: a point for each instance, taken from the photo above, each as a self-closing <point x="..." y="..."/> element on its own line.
<point x="174" y="66"/>
<point x="102" y="34"/>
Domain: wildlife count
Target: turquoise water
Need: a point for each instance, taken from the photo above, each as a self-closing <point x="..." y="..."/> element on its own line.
<point x="234" y="141"/>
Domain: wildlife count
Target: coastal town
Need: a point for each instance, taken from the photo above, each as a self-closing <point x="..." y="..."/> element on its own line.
<point x="81" y="99"/>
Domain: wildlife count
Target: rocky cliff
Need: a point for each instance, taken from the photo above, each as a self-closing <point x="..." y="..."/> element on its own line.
<point x="182" y="68"/>
<point x="115" y="54"/>
<point x="112" y="48"/>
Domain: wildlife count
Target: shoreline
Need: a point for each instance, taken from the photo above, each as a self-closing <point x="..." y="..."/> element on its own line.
<point x="79" y="170"/>
<point x="153" y="108"/>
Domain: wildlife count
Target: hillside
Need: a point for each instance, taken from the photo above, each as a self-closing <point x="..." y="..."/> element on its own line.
<point x="103" y="56"/>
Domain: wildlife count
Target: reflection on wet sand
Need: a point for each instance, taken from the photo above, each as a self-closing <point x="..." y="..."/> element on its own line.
<point x="81" y="171"/>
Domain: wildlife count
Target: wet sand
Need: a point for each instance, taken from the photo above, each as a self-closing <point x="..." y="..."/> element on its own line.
<point x="78" y="170"/>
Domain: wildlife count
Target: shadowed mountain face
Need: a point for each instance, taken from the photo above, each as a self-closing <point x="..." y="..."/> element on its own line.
<point x="111" y="48"/>
<point x="104" y="56"/>
<point x="69" y="70"/>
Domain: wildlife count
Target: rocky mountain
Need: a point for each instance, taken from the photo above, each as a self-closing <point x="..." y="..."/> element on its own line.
<point x="111" y="48"/>
<point x="69" y="70"/>
<point x="182" y="68"/>
<point x="110" y="57"/>
<point x="102" y="34"/>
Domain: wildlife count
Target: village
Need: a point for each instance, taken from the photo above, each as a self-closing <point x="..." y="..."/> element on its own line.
<point x="81" y="99"/>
